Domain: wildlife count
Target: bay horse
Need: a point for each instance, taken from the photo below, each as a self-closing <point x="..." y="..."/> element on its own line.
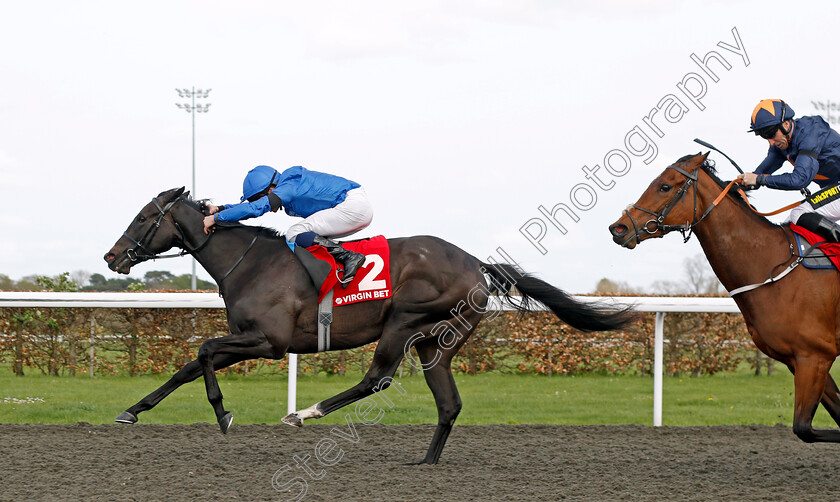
<point x="439" y="295"/>
<point x="793" y="319"/>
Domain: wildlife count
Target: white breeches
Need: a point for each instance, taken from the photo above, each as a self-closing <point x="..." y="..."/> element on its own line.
<point x="830" y="211"/>
<point x="352" y="215"/>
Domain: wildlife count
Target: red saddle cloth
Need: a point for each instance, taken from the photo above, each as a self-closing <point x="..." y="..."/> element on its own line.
<point x="831" y="249"/>
<point x="373" y="279"/>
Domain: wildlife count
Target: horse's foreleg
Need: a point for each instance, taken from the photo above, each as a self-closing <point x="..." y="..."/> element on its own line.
<point x="810" y="378"/>
<point x="439" y="378"/>
<point x="245" y="346"/>
<point x="187" y="374"/>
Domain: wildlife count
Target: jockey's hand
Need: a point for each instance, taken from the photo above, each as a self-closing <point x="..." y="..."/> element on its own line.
<point x="209" y="221"/>
<point x="212" y="209"/>
<point x="749" y="180"/>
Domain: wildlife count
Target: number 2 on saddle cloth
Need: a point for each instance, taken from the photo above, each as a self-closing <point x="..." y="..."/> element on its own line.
<point x="372" y="281"/>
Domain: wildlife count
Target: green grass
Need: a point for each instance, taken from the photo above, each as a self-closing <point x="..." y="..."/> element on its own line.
<point x="488" y="399"/>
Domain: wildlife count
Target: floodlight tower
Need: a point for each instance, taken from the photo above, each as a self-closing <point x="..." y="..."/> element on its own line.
<point x="192" y="109"/>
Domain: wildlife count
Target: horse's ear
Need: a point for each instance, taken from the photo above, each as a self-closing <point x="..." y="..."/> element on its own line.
<point x="698" y="159"/>
<point x="172" y="193"/>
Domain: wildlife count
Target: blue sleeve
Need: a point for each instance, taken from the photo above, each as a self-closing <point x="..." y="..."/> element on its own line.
<point x="803" y="173"/>
<point x="771" y="163"/>
<point x="245" y="210"/>
<point x="805" y="167"/>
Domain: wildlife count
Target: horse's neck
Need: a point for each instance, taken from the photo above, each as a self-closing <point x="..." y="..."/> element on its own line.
<point x="742" y="248"/>
<point x="223" y="250"/>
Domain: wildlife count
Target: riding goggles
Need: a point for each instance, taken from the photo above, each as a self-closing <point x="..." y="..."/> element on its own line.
<point x="767" y="132"/>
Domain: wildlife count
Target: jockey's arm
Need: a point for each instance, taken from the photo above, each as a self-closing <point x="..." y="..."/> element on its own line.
<point x="803" y="173"/>
<point x="771" y="163"/>
<point x="244" y="210"/>
<point x="805" y="166"/>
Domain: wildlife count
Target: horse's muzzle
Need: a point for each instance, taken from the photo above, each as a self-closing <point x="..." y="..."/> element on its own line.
<point x="622" y="235"/>
<point x="121" y="266"/>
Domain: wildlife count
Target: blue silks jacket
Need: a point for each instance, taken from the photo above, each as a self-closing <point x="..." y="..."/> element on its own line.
<point x="812" y="137"/>
<point x="302" y="192"/>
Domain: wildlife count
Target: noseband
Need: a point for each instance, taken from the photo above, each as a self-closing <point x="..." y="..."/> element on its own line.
<point x="134" y="254"/>
<point x="654" y="224"/>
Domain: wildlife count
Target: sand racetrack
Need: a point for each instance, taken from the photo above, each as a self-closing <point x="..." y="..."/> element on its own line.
<point x="500" y="462"/>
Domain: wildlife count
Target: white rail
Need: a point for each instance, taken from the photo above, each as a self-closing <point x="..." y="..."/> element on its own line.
<point x="658" y="304"/>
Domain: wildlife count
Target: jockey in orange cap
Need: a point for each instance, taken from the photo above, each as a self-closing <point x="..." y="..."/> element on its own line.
<point x="813" y="148"/>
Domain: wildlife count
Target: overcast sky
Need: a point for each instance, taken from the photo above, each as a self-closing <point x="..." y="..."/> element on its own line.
<point x="460" y="118"/>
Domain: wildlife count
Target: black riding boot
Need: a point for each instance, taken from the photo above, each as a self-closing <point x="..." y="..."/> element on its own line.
<point x="349" y="259"/>
<point x="820" y="225"/>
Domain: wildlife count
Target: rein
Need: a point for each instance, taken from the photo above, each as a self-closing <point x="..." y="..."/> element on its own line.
<point x="655" y="224"/>
<point x="140" y="245"/>
<point x="236" y="264"/>
<point x="771" y="213"/>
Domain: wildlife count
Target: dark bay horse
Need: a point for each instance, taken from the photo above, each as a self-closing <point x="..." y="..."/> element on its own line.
<point x="439" y="295"/>
<point x="794" y="320"/>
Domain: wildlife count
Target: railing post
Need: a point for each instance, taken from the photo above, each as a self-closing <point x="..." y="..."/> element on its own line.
<point x="658" y="343"/>
<point x="293" y="364"/>
<point x="92" y="361"/>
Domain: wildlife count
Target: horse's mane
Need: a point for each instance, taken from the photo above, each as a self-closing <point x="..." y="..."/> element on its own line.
<point x="200" y="206"/>
<point x="708" y="167"/>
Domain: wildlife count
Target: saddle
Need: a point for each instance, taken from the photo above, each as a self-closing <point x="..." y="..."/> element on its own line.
<point x="818" y="253"/>
<point x="372" y="281"/>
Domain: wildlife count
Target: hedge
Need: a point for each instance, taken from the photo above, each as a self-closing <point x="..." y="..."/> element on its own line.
<point x="69" y="341"/>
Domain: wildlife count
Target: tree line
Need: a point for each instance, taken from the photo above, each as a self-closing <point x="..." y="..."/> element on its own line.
<point x="698" y="280"/>
<point x="81" y="280"/>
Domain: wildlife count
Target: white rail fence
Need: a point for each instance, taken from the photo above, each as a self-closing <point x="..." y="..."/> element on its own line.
<point x="658" y="305"/>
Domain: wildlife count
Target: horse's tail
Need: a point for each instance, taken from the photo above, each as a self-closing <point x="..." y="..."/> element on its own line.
<point x="595" y="316"/>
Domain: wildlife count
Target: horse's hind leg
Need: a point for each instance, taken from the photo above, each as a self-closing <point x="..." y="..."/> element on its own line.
<point x="810" y="378"/>
<point x="831" y="399"/>
<point x="187" y="374"/>
<point x="440" y="380"/>
<point x="379" y="376"/>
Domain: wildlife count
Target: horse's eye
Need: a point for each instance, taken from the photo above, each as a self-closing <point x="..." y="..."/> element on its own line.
<point x="141" y="219"/>
<point x="664" y="187"/>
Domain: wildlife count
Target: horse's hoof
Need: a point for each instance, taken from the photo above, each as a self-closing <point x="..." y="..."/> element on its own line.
<point x="225" y="422"/>
<point x="425" y="461"/>
<point x="293" y="419"/>
<point x="126" y="418"/>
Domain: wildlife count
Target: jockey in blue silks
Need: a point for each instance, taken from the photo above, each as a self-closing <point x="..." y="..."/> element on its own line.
<point x="330" y="206"/>
<point x="813" y="148"/>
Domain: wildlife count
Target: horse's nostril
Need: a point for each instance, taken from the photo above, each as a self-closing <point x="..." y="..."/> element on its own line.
<point x="619" y="229"/>
<point x="109" y="257"/>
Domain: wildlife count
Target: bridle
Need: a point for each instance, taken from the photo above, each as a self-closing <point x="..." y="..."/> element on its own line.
<point x="134" y="254"/>
<point x="654" y="224"/>
<point x="144" y="241"/>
